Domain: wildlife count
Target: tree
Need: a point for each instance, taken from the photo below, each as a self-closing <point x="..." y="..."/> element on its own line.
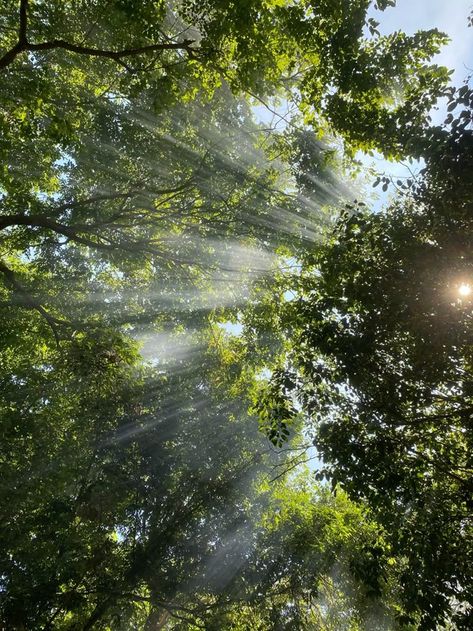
<point x="139" y="496"/>
<point x="118" y="480"/>
<point x="379" y="360"/>
<point x="374" y="90"/>
<point x="318" y="562"/>
<point x="128" y="198"/>
<point x="82" y="87"/>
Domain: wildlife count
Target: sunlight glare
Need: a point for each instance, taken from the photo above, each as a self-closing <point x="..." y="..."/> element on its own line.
<point x="464" y="290"/>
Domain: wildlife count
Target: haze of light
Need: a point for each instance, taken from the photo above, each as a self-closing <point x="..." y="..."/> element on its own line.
<point x="464" y="290"/>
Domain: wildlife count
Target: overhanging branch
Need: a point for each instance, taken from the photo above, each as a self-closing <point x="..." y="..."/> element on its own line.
<point x="23" y="45"/>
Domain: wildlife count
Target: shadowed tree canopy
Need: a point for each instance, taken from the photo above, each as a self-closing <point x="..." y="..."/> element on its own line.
<point x="379" y="361"/>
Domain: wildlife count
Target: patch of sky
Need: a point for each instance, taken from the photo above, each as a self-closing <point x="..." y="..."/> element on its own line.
<point x="29" y="254"/>
<point x="448" y="17"/>
<point x="46" y="197"/>
<point x="274" y="114"/>
<point x="232" y="328"/>
<point x="264" y="374"/>
<point x="65" y="160"/>
<point x="398" y="172"/>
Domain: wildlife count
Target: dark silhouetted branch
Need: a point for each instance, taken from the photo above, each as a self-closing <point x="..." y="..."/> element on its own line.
<point x="24" y="45"/>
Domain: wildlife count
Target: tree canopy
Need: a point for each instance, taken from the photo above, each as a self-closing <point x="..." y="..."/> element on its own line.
<point x="177" y="274"/>
<point x="379" y="360"/>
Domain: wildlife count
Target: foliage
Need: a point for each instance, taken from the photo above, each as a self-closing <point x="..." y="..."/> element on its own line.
<point x="135" y="496"/>
<point x="120" y="483"/>
<point x="83" y="85"/>
<point x="380" y="363"/>
<point x="319" y="563"/>
<point x="141" y="204"/>
<point x="375" y="90"/>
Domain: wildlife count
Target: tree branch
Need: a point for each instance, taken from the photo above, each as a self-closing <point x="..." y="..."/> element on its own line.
<point x="24" y="45"/>
<point x="111" y="54"/>
<point x="9" y="56"/>
<point x="23" y="22"/>
<point x="95" y="198"/>
<point x="40" y="221"/>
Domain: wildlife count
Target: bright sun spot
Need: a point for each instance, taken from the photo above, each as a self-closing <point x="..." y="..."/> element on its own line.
<point x="464" y="289"/>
